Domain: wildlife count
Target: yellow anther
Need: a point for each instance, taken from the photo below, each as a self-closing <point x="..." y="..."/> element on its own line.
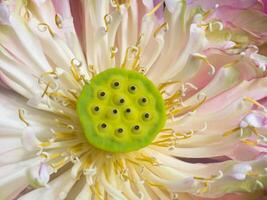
<point x="231" y="64"/>
<point x="204" y="189"/>
<point x="21" y="117"/>
<point x="211" y="178"/>
<point x="139" y="40"/>
<point x="228" y="133"/>
<point x="157" y="185"/>
<point x="186" y="109"/>
<point x="92" y="70"/>
<point x="113" y="51"/>
<point x="205" y="59"/>
<point x="77" y="148"/>
<point x="27" y="15"/>
<point x="74" y="70"/>
<point x="134" y="52"/>
<point x="59" y="164"/>
<point x="170" y="83"/>
<point x="249" y="99"/>
<point x="164" y="27"/>
<point x="54" y="155"/>
<point x="249" y="142"/>
<point x="45" y="27"/>
<point x="44" y="155"/>
<point x="207" y="14"/>
<point x="107" y="20"/>
<point x="173" y="98"/>
<point x="155" y="9"/>
<point x="64" y="136"/>
<point x="148" y="159"/>
<point x="45" y="90"/>
<point x="45" y="144"/>
<point x="58" y="21"/>
<point x="115" y="3"/>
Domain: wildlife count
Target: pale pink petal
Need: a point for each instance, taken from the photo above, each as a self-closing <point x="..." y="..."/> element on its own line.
<point x="207" y="4"/>
<point x="250" y="21"/>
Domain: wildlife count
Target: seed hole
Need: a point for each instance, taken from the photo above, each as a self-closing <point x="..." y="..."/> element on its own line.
<point x="116" y="84"/>
<point x="136" y="127"/>
<point x="101" y="95"/>
<point x="146" y="116"/>
<point x="103" y="125"/>
<point x="96" y="108"/>
<point x="115" y="111"/>
<point x="120" y="130"/>
<point x="132" y="88"/>
<point x="128" y="110"/>
<point x="143" y="101"/>
<point x="122" y="101"/>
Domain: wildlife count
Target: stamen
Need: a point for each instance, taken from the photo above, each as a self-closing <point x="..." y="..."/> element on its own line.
<point x="228" y="133"/>
<point x="249" y="99"/>
<point x="167" y="84"/>
<point x="92" y="70"/>
<point x="187" y="109"/>
<point x="74" y="64"/>
<point x="21" y="116"/>
<point x="107" y="20"/>
<point x="58" y="21"/>
<point x="135" y="53"/>
<point x="205" y="59"/>
<point x="148" y="159"/>
<point x="115" y="3"/>
<point x="259" y="184"/>
<point x="27" y="15"/>
<point x="211" y="178"/>
<point x="45" y="27"/>
<point x="249" y="142"/>
<point x="139" y="40"/>
<point x="164" y="27"/>
<point x="46" y="89"/>
<point x="113" y="51"/>
<point x="154" y="9"/>
<point x="231" y="64"/>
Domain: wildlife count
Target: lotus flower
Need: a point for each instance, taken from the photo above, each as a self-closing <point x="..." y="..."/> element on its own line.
<point x="133" y="99"/>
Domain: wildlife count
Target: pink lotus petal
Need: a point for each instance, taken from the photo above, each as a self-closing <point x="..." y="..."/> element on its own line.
<point x="208" y="4"/>
<point x="265" y="5"/>
<point x="250" y="21"/>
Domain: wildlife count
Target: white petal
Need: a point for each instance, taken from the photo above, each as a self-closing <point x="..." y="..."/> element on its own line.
<point x="4" y="14"/>
<point x="57" y="190"/>
<point x="38" y="175"/>
<point x="242" y="168"/>
<point x="29" y="140"/>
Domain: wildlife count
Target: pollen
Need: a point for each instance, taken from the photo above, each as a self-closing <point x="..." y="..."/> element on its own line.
<point x="121" y="111"/>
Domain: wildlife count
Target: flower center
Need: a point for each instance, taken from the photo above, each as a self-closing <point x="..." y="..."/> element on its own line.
<point x="120" y="111"/>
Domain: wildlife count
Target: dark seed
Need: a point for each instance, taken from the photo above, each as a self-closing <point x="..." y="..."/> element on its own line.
<point x="144" y="100"/>
<point x="96" y="108"/>
<point x="116" y="84"/>
<point x="147" y="115"/>
<point x="103" y="125"/>
<point x="115" y="111"/>
<point x="133" y="88"/>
